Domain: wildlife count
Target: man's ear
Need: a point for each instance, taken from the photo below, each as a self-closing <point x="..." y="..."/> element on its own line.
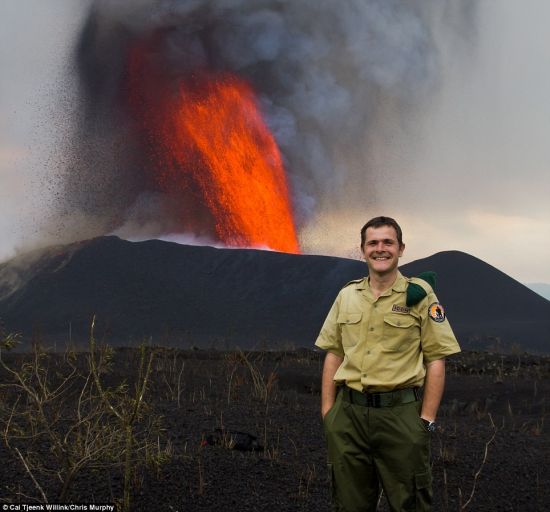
<point x="401" y="249"/>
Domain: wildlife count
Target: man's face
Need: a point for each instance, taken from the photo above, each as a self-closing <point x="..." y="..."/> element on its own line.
<point x="381" y="250"/>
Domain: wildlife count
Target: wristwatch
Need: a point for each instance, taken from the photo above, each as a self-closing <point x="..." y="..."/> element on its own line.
<point x="430" y="425"/>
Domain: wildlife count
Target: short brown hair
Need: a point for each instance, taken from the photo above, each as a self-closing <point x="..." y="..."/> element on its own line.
<point x="378" y="222"/>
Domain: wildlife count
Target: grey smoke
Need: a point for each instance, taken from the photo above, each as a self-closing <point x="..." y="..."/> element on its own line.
<point x="325" y="72"/>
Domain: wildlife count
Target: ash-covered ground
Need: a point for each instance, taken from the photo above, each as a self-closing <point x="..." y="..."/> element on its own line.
<point x="490" y="452"/>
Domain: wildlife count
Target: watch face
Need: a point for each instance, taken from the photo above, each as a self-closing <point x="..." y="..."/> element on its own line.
<point x="430" y="425"/>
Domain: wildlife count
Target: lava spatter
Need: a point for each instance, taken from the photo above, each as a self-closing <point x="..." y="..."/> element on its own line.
<point x="207" y="139"/>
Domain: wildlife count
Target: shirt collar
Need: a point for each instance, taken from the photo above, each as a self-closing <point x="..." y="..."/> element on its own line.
<point x="399" y="285"/>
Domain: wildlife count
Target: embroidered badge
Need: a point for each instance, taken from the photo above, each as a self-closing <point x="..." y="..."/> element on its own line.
<point x="400" y="309"/>
<point x="436" y="312"/>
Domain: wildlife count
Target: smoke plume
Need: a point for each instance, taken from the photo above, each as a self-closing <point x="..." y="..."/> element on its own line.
<point x="328" y="77"/>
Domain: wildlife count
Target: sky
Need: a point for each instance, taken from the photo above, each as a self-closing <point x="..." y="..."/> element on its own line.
<point x="467" y="171"/>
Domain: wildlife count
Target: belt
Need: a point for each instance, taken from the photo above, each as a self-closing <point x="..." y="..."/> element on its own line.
<point x="386" y="399"/>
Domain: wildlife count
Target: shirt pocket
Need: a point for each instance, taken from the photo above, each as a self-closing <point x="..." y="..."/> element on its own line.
<point x="350" y="325"/>
<point x="399" y="330"/>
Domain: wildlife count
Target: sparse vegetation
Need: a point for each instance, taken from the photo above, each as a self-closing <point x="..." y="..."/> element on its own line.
<point x="60" y="420"/>
<point x="161" y="405"/>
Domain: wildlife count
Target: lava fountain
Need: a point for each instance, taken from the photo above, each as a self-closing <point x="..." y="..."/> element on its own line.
<point x="208" y="139"/>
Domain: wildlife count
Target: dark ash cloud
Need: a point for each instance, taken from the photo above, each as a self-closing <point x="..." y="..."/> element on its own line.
<point x="324" y="71"/>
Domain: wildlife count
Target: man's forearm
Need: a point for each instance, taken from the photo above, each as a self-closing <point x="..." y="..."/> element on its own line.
<point x="433" y="389"/>
<point x="328" y="388"/>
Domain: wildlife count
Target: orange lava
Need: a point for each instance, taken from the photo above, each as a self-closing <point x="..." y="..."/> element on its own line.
<point x="209" y="139"/>
<point x="218" y="134"/>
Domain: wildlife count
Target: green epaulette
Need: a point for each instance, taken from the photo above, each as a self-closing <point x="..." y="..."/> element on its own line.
<point x="420" y="286"/>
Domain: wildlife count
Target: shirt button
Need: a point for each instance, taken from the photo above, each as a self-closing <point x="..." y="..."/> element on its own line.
<point x="376" y="305"/>
<point x="371" y="329"/>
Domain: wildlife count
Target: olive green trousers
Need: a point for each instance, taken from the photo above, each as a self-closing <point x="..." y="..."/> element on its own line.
<point x="370" y="447"/>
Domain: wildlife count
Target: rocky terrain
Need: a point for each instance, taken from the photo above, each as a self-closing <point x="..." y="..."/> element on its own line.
<point x="222" y="431"/>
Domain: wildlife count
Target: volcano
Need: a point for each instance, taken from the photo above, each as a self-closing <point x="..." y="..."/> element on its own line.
<point x="188" y="295"/>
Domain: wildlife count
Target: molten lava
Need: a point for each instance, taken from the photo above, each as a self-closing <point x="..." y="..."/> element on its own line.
<point x="209" y="143"/>
<point x="217" y="134"/>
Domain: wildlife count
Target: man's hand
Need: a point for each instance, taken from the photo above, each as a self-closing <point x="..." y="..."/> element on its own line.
<point x="433" y="389"/>
<point x="328" y="388"/>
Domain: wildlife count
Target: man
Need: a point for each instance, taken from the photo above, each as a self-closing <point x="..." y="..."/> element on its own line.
<point x="385" y="337"/>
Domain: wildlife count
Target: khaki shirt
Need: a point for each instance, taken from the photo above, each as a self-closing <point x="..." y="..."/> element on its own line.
<point x="385" y="344"/>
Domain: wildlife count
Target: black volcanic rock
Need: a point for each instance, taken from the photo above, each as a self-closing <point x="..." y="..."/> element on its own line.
<point x="189" y="295"/>
<point x="175" y="293"/>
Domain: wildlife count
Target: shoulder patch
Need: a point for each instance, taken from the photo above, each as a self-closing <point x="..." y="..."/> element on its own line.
<point x="436" y="312"/>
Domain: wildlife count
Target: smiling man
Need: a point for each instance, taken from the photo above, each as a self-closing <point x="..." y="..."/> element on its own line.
<point x="386" y="336"/>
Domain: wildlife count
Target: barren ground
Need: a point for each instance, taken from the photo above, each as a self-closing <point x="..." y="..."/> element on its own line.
<point x="486" y="395"/>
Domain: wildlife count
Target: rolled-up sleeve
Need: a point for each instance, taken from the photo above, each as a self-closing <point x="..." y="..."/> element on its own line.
<point x="330" y="337"/>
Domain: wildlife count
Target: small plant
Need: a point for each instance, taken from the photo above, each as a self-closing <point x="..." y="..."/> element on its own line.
<point x="261" y="387"/>
<point x="58" y="418"/>
<point x="36" y="413"/>
<point x="127" y="409"/>
<point x="172" y="375"/>
<point x="464" y="505"/>
<point x="306" y="478"/>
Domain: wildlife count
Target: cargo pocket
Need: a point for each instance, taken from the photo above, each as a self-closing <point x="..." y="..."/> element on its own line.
<point x="423" y="490"/>
<point x="350" y="324"/>
<point x="399" y="329"/>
